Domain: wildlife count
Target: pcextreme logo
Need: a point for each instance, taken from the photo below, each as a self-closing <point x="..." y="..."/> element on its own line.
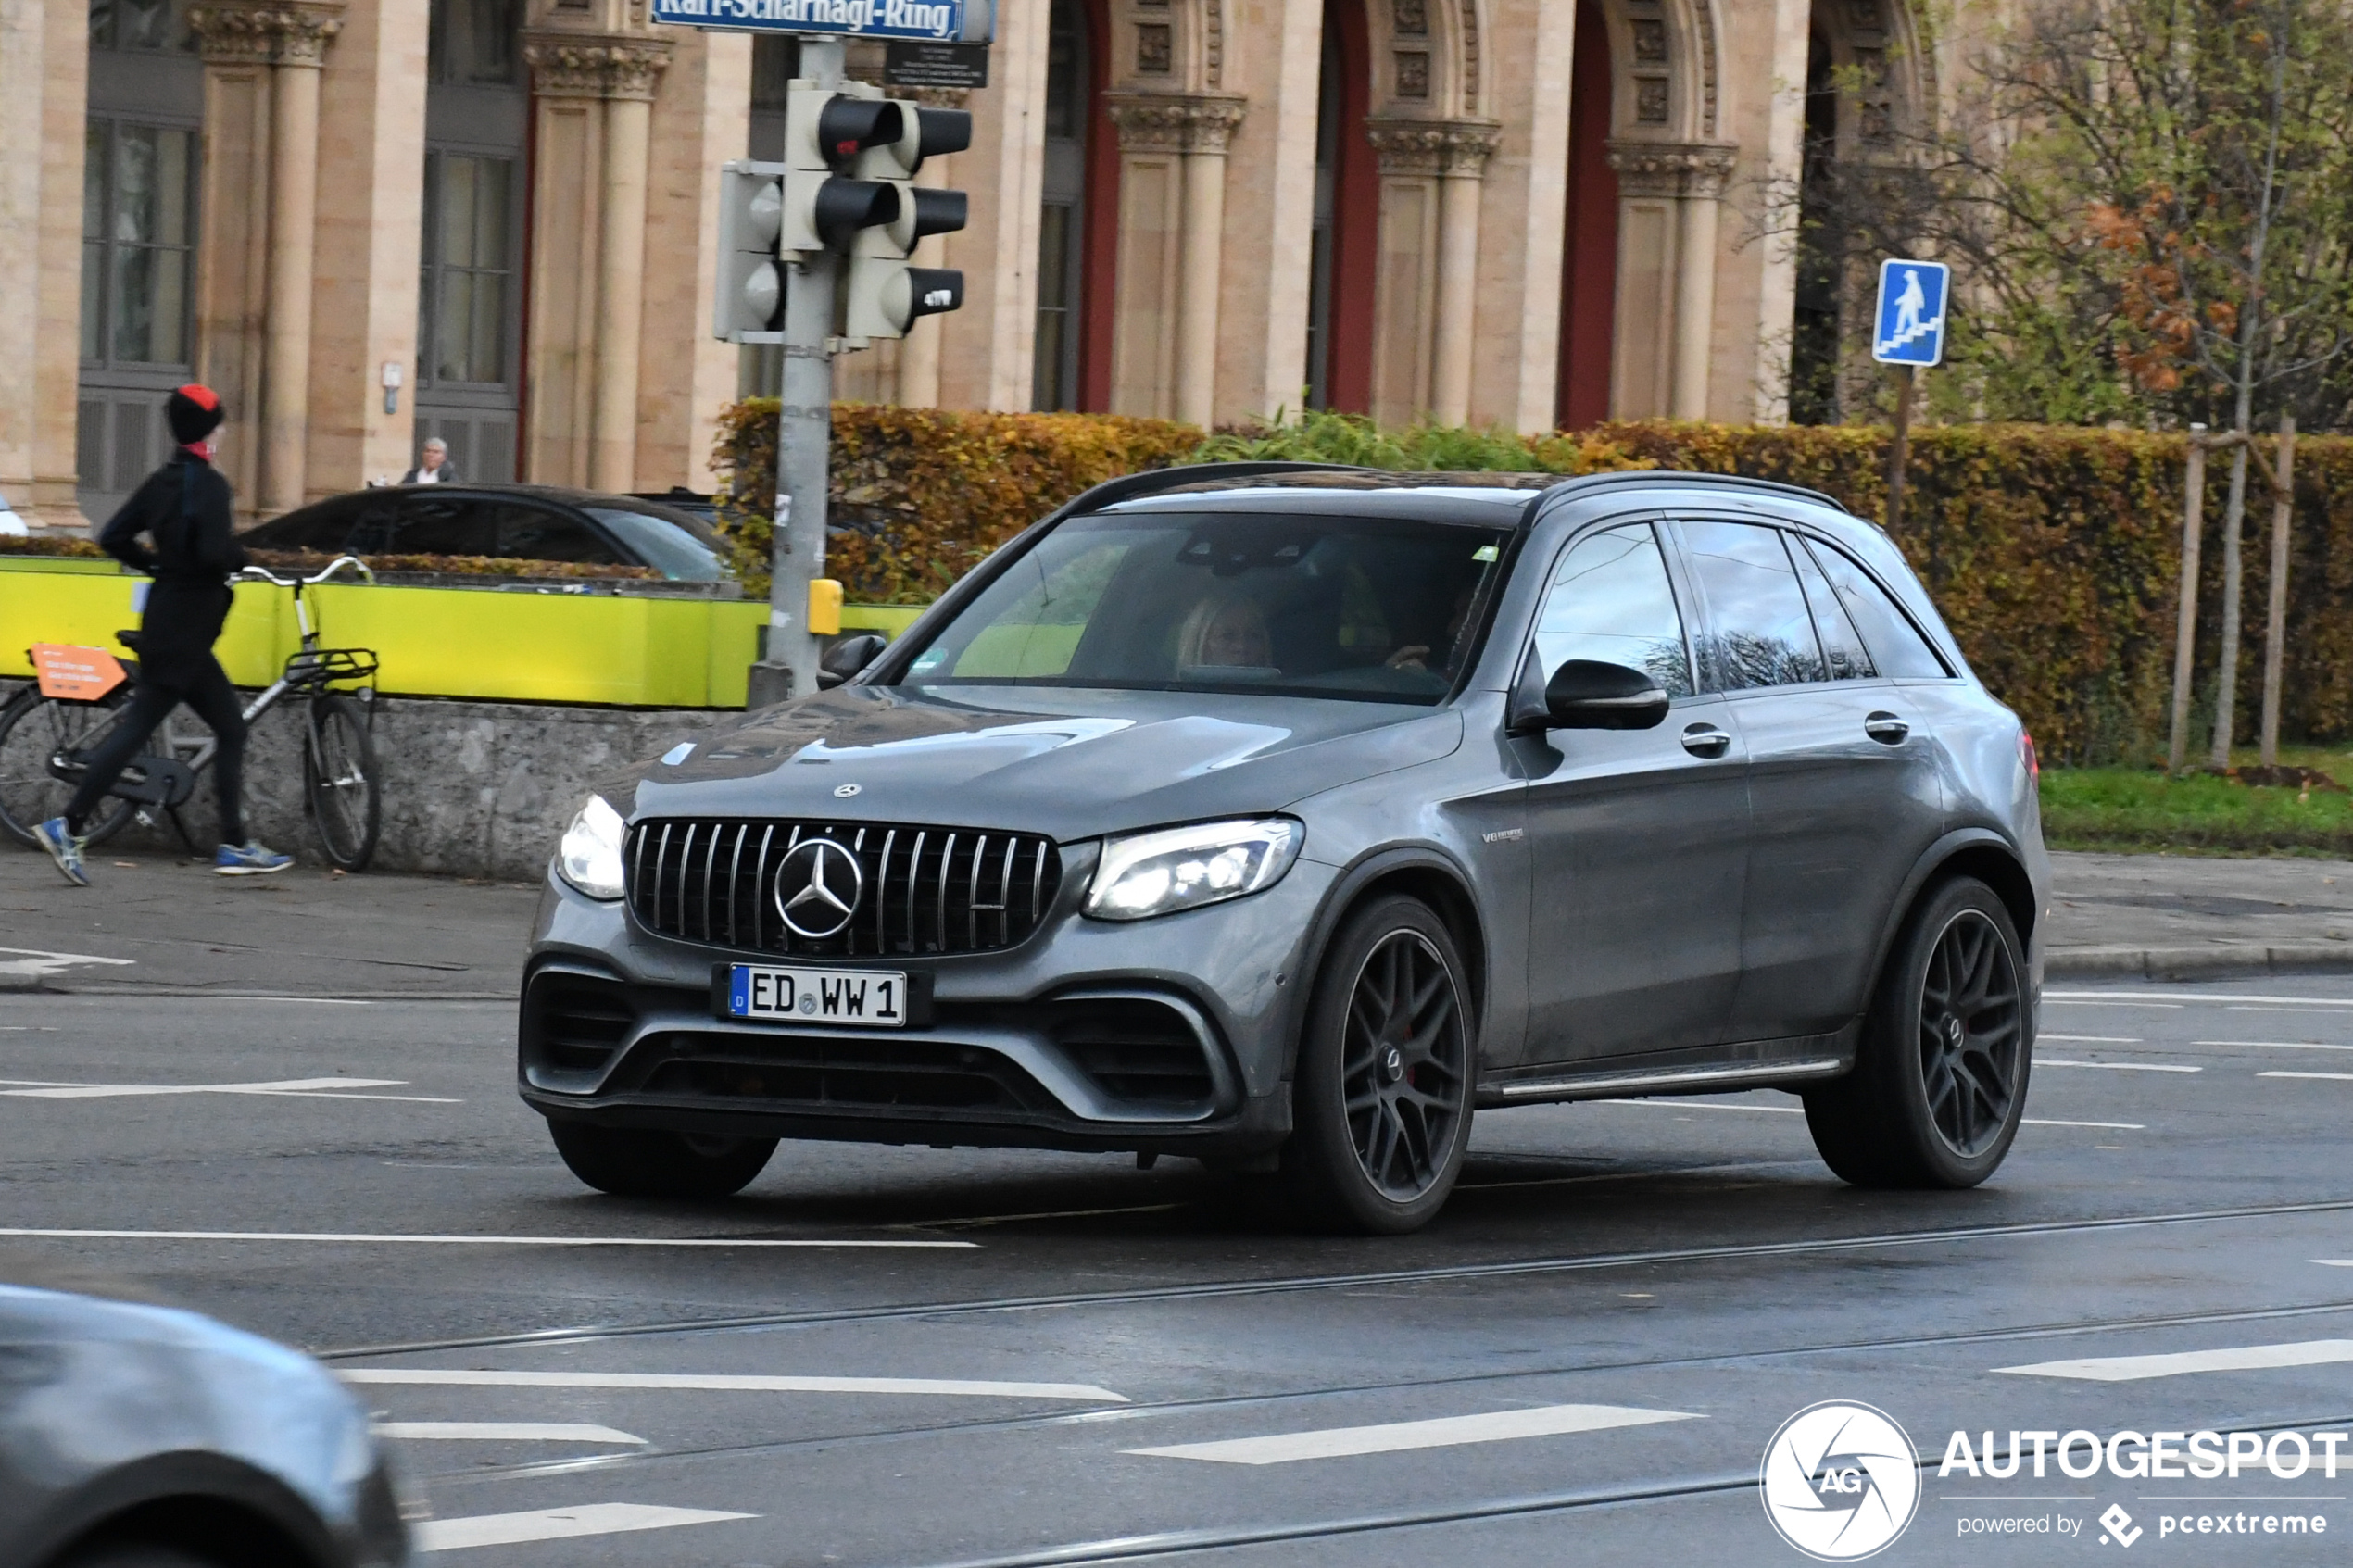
<point x="1839" y="1481"/>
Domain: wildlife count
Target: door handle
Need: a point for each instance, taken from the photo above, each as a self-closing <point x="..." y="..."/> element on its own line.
<point x="1705" y="740"/>
<point x="1886" y="728"/>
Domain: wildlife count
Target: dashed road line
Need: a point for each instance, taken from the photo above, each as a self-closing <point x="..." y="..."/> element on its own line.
<point x="1399" y="1437"/>
<point x="730" y="1383"/>
<point x="2175" y="998"/>
<point x="559" y="1524"/>
<point x="2117" y="1066"/>
<point x="2091" y="1039"/>
<point x="368" y="1238"/>
<point x="2275" y="1045"/>
<point x="503" y="1432"/>
<point x="290" y="1088"/>
<point x="2338" y="1077"/>
<point x="2245" y="1358"/>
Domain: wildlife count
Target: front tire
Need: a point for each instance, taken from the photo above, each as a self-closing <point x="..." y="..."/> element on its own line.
<point x="1939" y="1083"/>
<point x="642" y="1162"/>
<point x="339" y="770"/>
<point x="1382" y="1092"/>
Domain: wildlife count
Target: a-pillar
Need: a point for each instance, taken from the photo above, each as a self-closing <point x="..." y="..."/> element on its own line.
<point x="1172" y="198"/>
<point x="1425" y="290"/>
<point x="257" y="219"/>
<point x="44" y="58"/>
<point x="1668" y="196"/>
<point x="594" y="96"/>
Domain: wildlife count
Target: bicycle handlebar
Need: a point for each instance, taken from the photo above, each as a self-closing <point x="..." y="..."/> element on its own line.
<point x="263" y="574"/>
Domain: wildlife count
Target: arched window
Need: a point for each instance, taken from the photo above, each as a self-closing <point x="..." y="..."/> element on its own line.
<point x="1340" y="295"/>
<point x="1062" y="219"/>
<point x="1589" y="251"/>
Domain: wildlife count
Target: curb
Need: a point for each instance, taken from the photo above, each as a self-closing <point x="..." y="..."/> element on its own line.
<point x="2196" y="963"/>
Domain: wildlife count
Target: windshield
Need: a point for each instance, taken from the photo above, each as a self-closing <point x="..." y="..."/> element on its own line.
<point x="1374" y="611"/>
<point x="665" y="546"/>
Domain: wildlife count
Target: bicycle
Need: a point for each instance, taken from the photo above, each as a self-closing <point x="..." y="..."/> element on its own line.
<point x="43" y="740"/>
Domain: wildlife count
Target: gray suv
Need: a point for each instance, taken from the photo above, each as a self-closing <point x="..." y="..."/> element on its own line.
<point x="1284" y="816"/>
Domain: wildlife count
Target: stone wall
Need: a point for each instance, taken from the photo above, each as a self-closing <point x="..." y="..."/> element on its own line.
<point x="478" y="789"/>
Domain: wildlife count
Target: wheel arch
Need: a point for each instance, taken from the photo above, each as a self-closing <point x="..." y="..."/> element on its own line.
<point x="1977" y="852"/>
<point x="1422" y="872"/>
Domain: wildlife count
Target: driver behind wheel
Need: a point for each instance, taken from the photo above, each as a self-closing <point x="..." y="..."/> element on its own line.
<point x="183" y="508"/>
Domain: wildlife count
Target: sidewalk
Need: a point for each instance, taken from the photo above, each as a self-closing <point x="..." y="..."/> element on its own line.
<point x="162" y="926"/>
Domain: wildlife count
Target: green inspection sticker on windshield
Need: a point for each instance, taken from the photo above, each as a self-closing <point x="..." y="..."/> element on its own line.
<point x="1484" y="553"/>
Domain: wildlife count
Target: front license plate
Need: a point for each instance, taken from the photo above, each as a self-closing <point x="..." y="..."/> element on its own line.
<point x="866" y="998"/>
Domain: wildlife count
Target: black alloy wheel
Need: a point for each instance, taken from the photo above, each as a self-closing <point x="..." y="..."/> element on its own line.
<point x="1382" y="1098"/>
<point x="339" y="772"/>
<point x="1940" y="1077"/>
<point x="1973" y="1034"/>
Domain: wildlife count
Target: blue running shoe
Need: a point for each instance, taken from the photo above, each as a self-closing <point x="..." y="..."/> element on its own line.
<point x="64" y="849"/>
<point x="252" y="859"/>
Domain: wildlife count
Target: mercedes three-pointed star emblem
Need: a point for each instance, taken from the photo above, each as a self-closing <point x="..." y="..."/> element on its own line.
<point x="818" y="887"/>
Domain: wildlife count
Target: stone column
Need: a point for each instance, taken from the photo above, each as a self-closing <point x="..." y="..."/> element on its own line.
<point x="593" y="103"/>
<point x="1172" y="199"/>
<point x="1209" y="127"/>
<point x="45" y="59"/>
<point x="1462" y="170"/>
<point x="1667" y="197"/>
<point x="256" y="239"/>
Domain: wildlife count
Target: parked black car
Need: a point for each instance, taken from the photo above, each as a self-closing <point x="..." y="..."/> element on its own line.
<point x="517" y="521"/>
<point x="141" y="1436"/>
<point x="1283" y="819"/>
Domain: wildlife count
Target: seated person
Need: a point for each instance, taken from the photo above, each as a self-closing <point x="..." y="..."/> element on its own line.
<point x="1225" y="632"/>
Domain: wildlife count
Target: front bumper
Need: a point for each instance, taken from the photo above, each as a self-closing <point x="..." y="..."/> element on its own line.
<point x="1168" y="1036"/>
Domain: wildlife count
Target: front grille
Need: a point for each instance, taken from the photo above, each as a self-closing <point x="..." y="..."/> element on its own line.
<point x="926" y="890"/>
<point x="863" y="1074"/>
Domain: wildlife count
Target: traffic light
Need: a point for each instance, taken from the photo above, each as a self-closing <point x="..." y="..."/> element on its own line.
<point x="851" y="157"/>
<point x="749" y="306"/>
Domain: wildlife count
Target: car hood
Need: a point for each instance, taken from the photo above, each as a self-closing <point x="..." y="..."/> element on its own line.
<point x="1070" y="764"/>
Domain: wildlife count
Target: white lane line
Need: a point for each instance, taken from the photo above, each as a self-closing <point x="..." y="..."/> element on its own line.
<point x="503" y="1432"/>
<point x="2248" y="1358"/>
<point x="2116" y="1066"/>
<point x="2119" y="998"/>
<point x="2307" y="1007"/>
<point x="2091" y="1039"/>
<point x="558" y="1523"/>
<point x="726" y="1383"/>
<point x="374" y="1239"/>
<point x="1446" y="1432"/>
<point x="2275" y="1045"/>
<point x="2056" y="1000"/>
<point x="292" y="1088"/>
<point x="2339" y="1077"/>
<point x="33" y="961"/>
<point x="1669" y="1103"/>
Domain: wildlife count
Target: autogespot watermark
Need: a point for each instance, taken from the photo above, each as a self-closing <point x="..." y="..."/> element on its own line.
<point x="1840" y="1481"/>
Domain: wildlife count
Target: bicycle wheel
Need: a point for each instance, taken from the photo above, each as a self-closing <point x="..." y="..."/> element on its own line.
<point x="34" y="728"/>
<point x="339" y="772"/>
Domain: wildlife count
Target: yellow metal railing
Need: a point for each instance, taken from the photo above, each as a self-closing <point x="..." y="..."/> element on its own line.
<point x="627" y="651"/>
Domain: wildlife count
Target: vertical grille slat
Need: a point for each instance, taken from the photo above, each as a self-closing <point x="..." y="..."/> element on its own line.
<point x="713" y="882"/>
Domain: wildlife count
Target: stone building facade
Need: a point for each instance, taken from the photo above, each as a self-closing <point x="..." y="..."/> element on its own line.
<point x="1524" y="212"/>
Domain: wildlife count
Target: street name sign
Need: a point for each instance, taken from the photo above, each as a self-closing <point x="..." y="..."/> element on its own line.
<point x="1911" y="319"/>
<point x="943" y="21"/>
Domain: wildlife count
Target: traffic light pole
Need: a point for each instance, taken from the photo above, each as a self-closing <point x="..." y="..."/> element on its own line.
<point x="804" y="435"/>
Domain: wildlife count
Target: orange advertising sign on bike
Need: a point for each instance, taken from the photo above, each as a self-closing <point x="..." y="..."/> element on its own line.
<point x="75" y="674"/>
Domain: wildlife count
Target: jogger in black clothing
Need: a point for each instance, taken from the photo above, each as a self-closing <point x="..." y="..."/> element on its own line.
<point x="184" y="507"/>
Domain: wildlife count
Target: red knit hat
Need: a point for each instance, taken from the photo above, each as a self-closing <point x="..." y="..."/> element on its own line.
<point x="194" y="412"/>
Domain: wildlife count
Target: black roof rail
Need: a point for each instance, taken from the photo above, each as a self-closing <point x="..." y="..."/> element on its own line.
<point x="1640" y="478"/>
<point x="1126" y="487"/>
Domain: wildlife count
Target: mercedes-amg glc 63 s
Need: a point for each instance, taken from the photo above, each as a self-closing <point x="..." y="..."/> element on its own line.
<point x="1284" y="818"/>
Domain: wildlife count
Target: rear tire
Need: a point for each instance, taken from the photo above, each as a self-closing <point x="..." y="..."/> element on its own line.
<point x="32" y="727"/>
<point x="1940" y="1079"/>
<point x="339" y="774"/>
<point x="642" y="1162"/>
<point x="1381" y="1097"/>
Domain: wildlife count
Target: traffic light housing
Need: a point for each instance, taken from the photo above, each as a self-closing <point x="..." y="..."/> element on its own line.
<point x="748" y="305"/>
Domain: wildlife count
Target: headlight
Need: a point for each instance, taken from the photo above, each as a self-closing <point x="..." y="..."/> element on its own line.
<point x="1158" y="873"/>
<point x="590" y="856"/>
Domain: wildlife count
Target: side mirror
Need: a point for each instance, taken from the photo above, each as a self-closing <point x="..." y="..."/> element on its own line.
<point x="850" y="655"/>
<point x="1585" y="693"/>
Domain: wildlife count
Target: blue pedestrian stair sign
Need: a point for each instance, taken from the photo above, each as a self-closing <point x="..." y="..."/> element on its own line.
<point x="1910" y="327"/>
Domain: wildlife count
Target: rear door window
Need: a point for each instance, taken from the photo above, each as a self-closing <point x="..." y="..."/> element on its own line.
<point x="1898" y="648"/>
<point x="443" y="525"/>
<point x="1848" y="658"/>
<point x="528" y="532"/>
<point x="1760" y="632"/>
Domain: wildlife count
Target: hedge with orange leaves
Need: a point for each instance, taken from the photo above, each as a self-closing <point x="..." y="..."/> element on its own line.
<point x="2052" y="550"/>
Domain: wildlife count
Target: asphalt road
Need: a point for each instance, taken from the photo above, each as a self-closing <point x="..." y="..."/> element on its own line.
<point x="915" y="1357"/>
